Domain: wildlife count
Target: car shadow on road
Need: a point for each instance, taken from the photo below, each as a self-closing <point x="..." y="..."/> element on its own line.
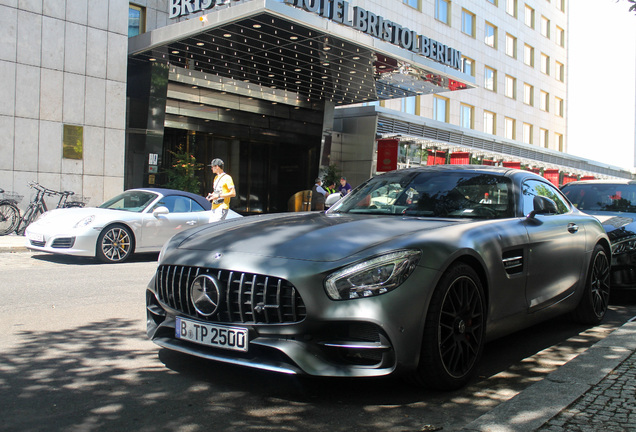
<point x="78" y="260"/>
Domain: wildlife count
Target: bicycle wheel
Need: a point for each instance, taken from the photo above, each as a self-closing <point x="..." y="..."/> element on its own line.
<point x="9" y="217"/>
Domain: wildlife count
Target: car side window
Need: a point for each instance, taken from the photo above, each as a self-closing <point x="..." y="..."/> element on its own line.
<point x="179" y="204"/>
<point x="532" y="188"/>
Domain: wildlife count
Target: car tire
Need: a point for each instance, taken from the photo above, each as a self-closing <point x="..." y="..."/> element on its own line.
<point x="595" y="301"/>
<point x="115" y="244"/>
<point x="454" y="332"/>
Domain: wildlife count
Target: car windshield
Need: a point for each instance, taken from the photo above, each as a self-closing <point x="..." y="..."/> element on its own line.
<point x="133" y="201"/>
<point x="602" y="196"/>
<point x="432" y="194"/>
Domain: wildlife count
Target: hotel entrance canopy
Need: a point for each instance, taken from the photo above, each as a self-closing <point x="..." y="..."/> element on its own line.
<point x="278" y="46"/>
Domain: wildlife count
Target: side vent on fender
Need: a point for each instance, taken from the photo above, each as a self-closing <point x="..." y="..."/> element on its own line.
<point x="513" y="261"/>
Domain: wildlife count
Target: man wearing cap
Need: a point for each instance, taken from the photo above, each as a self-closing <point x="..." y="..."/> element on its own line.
<point x="222" y="191"/>
<point x="344" y="187"/>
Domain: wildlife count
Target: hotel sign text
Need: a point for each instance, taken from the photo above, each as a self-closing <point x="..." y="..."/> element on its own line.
<point x="374" y="25"/>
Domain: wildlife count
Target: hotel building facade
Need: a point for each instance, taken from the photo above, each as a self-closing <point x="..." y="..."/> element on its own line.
<point x="98" y="96"/>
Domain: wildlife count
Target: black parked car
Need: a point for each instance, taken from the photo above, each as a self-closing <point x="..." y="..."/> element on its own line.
<point x="410" y="273"/>
<point x="614" y="204"/>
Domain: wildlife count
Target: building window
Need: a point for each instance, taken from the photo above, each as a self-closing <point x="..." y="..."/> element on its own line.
<point x="468" y="23"/>
<point x="509" y="126"/>
<point x="511" y="7"/>
<point x="412" y="3"/>
<point x="560" y="36"/>
<point x="490" y="37"/>
<point x="490" y="122"/>
<point x="492" y="1"/>
<point x="442" y="11"/>
<point x="543" y="138"/>
<point x="528" y="94"/>
<point x="559" y="106"/>
<point x="560" y="71"/>
<point x="545" y="27"/>
<point x="544" y="101"/>
<point x="559" y="141"/>
<point x="561" y="5"/>
<point x="440" y="109"/>
<point x="511" y="86"/>
<point x="527" y="133"/>
<point x="528" y="16"/>
<point x="468" y="66"/>
<point x="467" y="116"/>
<point x="490" y="79"/>
<point x="408" y="105"/>
<point x="528" y="55"/>
<point x="136" y="20"/>
<point x="545" y="64"/>
<point x="511" y="45"/>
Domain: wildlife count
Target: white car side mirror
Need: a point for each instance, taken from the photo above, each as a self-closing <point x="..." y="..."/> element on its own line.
<point x="160" y="211"/>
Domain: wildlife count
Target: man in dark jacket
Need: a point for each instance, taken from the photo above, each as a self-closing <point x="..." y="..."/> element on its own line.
<point x="318" y="195"/>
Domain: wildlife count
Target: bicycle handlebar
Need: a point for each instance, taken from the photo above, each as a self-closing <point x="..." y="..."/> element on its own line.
<point x="47" y="191"/>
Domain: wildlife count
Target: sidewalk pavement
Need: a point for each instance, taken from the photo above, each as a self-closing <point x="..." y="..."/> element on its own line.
<point x="592" y="392"/>
<point x="12" y="243"/>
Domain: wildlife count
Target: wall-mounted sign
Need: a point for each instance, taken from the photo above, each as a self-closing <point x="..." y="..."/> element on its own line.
<point x="153" y="158"/>
<point x="387" y="155"/>
<point x="375" y="25"/>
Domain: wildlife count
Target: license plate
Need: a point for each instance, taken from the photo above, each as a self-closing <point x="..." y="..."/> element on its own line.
<point x="232" y="338"/>
<point x="35" y="237"/>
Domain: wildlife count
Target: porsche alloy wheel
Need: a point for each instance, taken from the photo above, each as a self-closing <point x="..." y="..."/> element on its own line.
<point x="454" y="332"/>
<point x="595" y="300"/>
<point x="115" y="244"/>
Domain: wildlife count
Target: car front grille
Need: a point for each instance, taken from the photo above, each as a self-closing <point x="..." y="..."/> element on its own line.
<point x="63" y="242"/>
<point x="247" y="298"/>
<point x="37" y="243"/>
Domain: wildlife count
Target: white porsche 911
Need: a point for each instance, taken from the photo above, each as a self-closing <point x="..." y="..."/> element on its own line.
<point x="137" y="220"/>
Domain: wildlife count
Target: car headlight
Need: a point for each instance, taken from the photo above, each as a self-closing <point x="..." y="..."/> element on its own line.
<point x="624" y="247"/>
<point x="372" y="277"/>
<point x="84" y="222"/>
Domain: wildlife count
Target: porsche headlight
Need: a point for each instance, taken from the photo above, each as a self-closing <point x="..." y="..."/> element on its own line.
<point x="372" y="277"/>
<point x="84" y="222"/>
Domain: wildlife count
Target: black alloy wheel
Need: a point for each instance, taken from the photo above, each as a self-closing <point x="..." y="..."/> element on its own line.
<point x="115" y="244"/>
<point x="595" y="301"/>
<point x="454" y="332"/>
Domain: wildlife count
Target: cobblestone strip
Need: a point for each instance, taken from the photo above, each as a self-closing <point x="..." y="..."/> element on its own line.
<point x="609" y="406"/>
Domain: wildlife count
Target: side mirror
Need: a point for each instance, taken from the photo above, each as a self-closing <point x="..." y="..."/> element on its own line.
<point x="543" y="205"/>
<point x="160" y="211"/>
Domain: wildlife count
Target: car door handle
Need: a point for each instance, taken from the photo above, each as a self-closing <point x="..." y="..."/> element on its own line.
<point x="572" y="227"/>
<point x="192" y="222"/>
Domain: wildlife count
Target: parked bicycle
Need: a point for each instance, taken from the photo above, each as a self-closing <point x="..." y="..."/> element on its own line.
<point x="11" y="220"/>
<point x="9" y="212"/>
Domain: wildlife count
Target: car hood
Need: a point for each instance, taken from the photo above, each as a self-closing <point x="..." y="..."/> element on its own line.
<point x="618" y="225"/>
<point x="305" y="236"/>
<point x="68" y="217"/>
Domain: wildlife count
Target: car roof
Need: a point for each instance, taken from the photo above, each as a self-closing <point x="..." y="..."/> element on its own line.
<point x="170" y="192"/>
<point x="601" y="182"/>
<point x="496" y="170"/>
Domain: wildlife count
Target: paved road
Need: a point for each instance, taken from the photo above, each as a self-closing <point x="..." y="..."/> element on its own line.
<point x="74" y="357"/>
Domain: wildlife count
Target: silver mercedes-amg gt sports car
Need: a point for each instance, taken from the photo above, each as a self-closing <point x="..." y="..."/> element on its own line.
<point x="409" y="274"/>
